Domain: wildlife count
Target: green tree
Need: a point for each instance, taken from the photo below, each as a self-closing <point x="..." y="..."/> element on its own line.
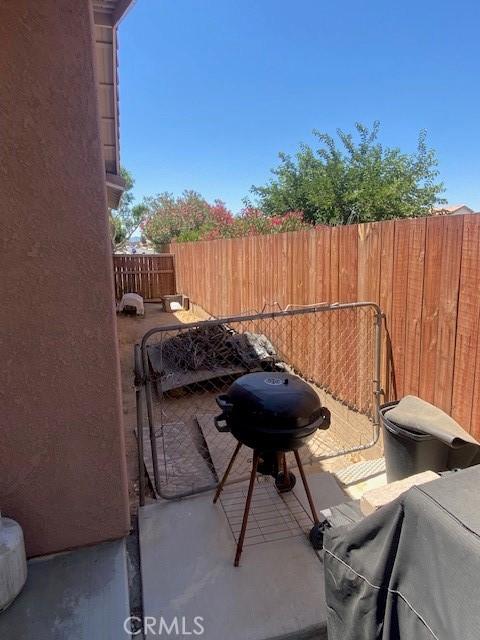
<point x="127" y="217"/>
<point x="353" y="180"/>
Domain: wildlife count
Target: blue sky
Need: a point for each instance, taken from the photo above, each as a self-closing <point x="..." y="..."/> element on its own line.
<point x="212" y="90"/>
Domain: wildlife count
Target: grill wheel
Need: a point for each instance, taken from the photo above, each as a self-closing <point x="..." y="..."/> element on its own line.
<point x="283" y="484"/>
<point x="316" y="534"/>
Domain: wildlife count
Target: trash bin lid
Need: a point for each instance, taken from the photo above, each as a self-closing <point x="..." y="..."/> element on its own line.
<point x="418" y="416"/>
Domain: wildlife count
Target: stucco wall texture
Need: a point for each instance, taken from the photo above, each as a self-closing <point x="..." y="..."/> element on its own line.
<point x="62" y="462"/>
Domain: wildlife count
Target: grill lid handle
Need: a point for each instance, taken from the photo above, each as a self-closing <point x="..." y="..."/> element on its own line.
<point x="224" y="403"/>
<point x="326" y="418"/>
<point x="221" y="420"/>
<point x="221" y="423"/>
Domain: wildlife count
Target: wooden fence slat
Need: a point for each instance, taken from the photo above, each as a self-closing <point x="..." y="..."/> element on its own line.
<point x="348" y="263"/>
<point x="386" y="290"/>
<point x="155" y="281"/>
<point x="311" y="245"/>
<point x="348" y="331"/>
<point x="413" y="310"/>
<point x="475" y="419"/>
<point x="319" y="292"/>
<point x="467" y="339"/>
<point x="399" y="301"/>
<point x="332" y="381"/>
<point x="431" y="295"/>
<point x="368" y="290"/>
<point x="127" y="273"/>
<point x="149" y="289"/>
<point x="123" y="278"/>
<point x="369" y="241"/>
<point x="447" y="311"/>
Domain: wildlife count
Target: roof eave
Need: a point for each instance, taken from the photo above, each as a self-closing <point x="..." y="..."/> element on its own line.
<point x="121" y="9"/>
<point x="110" y="17"/>
<point x="115" y="188"/>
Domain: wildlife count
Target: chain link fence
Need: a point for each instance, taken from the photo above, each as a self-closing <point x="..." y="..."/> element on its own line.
<point x="182" y="368"/>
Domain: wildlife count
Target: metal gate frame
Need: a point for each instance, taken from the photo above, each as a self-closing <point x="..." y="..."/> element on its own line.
<point x="143" y="381"/>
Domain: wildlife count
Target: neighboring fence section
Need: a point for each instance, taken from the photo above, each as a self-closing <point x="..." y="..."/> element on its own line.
<point x="424" y="274"/>
<point x="151" y="276"/>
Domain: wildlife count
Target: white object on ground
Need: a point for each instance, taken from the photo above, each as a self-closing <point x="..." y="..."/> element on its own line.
<point x="376" y="498"/>
<point x="132" y="300"/>
<point x="173" y="302"/>
<point x="13" y="563"/>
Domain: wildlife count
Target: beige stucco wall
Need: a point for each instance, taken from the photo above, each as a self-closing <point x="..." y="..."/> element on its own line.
<point x="62" y="466"/>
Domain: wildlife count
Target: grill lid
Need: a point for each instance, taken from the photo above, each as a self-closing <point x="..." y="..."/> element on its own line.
<point x="271" y="400"/>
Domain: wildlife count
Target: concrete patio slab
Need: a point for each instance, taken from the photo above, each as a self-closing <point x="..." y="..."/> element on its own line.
<point x="80" y="595"/>
<point x="324" y="488"/>
<point x="187" y="549"/>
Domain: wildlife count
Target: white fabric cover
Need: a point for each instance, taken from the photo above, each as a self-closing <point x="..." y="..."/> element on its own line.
<point x="132" y="300"/>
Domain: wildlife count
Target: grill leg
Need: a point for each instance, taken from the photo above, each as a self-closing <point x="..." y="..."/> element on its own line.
<point x="247" y="509"/>
<point x="227" y="471"/>
<point x="285" y="466"/>
<point x="307" y="488"/>
<point x="284" y="480"/>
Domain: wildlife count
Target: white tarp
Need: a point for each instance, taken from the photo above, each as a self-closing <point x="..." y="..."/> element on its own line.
<point x="132" y="300"/>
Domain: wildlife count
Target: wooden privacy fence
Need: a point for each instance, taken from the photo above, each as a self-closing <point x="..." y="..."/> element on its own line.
<point x="424" y="273"/>
<point x="151" y="276"/>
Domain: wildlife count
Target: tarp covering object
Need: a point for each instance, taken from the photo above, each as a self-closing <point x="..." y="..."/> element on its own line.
<point x="410" y="571"/>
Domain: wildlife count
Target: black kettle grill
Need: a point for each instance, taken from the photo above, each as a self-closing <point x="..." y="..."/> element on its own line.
<point x="272" y="413"/>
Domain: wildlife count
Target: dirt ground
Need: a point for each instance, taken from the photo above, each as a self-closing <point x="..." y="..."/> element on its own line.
<point x="130" y="330"/>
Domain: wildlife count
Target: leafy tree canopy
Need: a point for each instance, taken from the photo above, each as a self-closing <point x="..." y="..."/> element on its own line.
<point x="127" y="217"/>
<point x="354" y="179"/>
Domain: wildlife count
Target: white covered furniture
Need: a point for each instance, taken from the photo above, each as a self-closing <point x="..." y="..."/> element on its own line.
<point x="132" y="300"/>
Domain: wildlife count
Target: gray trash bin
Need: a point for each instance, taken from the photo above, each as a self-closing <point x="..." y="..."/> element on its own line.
<point x="408" y="451"/>
<point x="419" y="436"/>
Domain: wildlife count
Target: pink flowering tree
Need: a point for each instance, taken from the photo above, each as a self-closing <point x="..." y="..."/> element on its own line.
<point x="190" y="217"/>
<point x="184" y="218"/>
